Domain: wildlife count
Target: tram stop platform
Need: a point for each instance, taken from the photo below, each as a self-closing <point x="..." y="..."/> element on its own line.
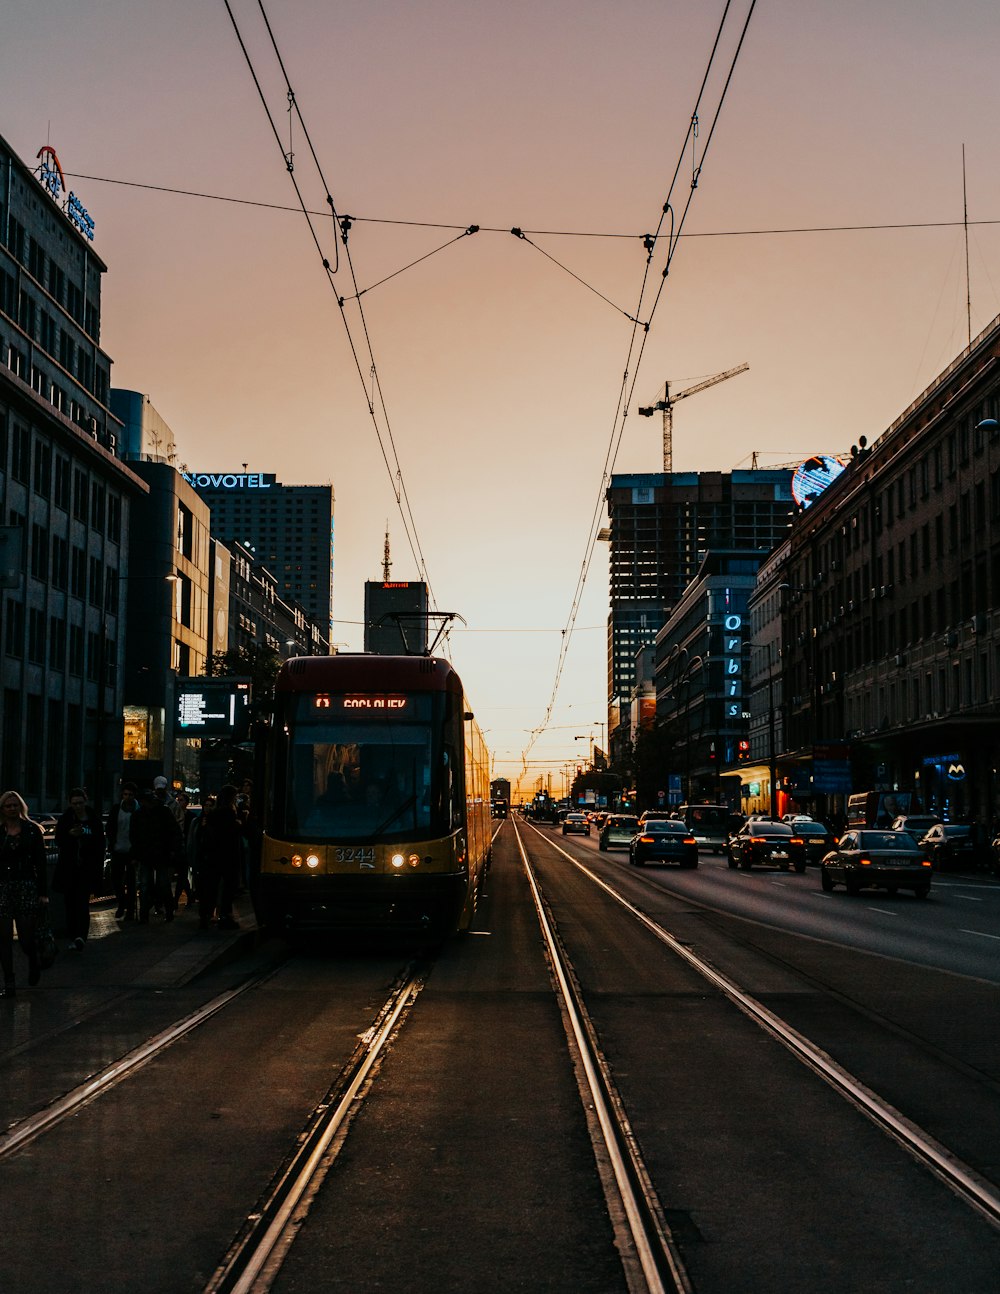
<point x="160" y="954"/>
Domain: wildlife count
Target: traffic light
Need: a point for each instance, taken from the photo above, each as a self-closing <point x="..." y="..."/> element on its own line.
<point x="744" y="749"/>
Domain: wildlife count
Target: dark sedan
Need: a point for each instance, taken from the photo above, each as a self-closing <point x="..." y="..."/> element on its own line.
<point x="776" y="843"/>
<point x="950" y="845"/>
<point x="890" y="859"/>
<point x="664" y="842"/>
<point x="817" y="838"/>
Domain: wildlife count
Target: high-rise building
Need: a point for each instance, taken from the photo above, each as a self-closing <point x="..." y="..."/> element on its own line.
<point x="661" y="526"/>
<point x="396" y="617"/>
<point x="65" y="498"/>
<point x="287" y="528"/>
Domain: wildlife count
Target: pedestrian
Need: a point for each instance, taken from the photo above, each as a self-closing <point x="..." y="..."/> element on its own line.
<point x="157" y="846"/>
<point x="221" y="841"/>
<point x="186" y="817"/>
<point x="23" y="886"/>
<point x="80" y="866"/>
<point x="119" y="836"/>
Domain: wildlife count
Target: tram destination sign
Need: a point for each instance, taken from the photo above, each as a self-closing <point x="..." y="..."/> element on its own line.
<point x="214" y="707"/>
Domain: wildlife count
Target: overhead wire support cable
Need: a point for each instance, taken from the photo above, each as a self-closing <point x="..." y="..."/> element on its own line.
<point x="466" y="233"/>
<point x="520" y="234"/>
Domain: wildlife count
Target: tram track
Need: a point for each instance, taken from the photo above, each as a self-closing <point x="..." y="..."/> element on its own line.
<point x="975" y="1190"/>
<point x="26" y="1130"/>
<point x="652" y="1259"/>
<point x="255" y="1257"/>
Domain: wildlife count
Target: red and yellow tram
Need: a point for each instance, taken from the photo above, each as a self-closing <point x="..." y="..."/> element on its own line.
<point x="376" y="810"/>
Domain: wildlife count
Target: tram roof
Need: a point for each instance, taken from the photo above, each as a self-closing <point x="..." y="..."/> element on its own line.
<point x="367" y="671"/>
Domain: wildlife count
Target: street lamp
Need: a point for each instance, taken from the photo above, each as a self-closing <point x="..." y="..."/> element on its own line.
<point x="588" y="737"/>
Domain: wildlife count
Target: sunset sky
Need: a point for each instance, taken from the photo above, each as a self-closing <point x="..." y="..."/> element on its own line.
<point x="500" y="371"/>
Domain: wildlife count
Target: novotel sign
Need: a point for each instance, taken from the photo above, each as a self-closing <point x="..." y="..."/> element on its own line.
<point x="230" y="480"/>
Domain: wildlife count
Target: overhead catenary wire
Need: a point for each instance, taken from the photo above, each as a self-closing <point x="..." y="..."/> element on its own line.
<point x="393" y="468"/>
<point x="640" y="334"/>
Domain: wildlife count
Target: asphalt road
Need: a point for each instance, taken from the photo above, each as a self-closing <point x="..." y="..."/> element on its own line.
<point x="469" y="1162"/>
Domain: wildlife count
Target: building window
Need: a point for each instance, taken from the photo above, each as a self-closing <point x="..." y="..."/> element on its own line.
<point x="14" y="630"/>
<point x="76" y="661"/>
<point x="57" y="644"/>
<point x="78" y="572"/>
<point x="60" y="562"/>
<point x="19" y="459"/>
<point x="39" y="552"/>
<point x="61" y="497"/>
<point x="36" y="638"/>
<point x="96" y="582"/>
<point x="80" y="499"/>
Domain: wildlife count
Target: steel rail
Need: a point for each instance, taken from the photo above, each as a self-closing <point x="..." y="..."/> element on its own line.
<point x="979" y="1193"/>
<point x="255" y="1259"/>
<point x="654" y="1246"/>
<point x="26" y="1130"/>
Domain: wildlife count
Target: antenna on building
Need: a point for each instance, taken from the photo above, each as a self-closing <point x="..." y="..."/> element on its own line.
<point x="386" y="559"/>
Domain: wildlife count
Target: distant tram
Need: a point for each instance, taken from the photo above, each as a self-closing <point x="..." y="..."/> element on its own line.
<point x="376" y="808"/>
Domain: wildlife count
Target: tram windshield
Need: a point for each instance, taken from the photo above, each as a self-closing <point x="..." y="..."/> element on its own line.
<point x="352" y="772"/>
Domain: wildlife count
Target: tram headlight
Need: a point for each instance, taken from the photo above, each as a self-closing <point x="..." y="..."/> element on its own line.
<point x="398" y="860"/>
<point x="296" y="860"/>
<point x="414" y="860"/>
<point x="312" y="861"/>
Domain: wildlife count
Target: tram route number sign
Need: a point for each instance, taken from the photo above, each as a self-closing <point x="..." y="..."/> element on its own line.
<point x="213" y="707"/>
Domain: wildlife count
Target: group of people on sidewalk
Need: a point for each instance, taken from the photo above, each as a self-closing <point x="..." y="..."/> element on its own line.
<point x="161" y="850"/>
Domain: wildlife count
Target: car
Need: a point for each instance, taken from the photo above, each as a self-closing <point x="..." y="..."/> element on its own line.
<point x="915" y="823"/>
<point x="656" y="815"/>
<point x="618" y="829"/>
<point x="663" y="841"/>
<point x="763" y="841"/>
<point x="950" y="845"/>
<point x="797" y="817"/>
<point x="577" y="822"/>
<point x="867" y="857"/>
<point x="47" y="822"/>
<point x="817" y="838"/>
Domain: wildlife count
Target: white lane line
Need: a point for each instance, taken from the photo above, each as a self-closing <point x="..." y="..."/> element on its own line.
<point x="884" y="911"/>
<point x="981" y="933"/>
<point x="968" y="898"/>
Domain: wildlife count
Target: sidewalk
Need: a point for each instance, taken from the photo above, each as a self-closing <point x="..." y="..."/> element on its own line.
<point x="161" y="954"/>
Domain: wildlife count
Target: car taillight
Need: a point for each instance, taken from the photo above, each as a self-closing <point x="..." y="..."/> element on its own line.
<point x="690" y="840"/>
<point x="645" y="840"/>
<point x="758" y="840"/>
<point x="926" y="862"/>
<point x="865" y="862"/>
<point x="795" y="840"/>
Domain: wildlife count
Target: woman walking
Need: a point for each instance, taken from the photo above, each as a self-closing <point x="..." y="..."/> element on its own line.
<point x="23" y="886"/>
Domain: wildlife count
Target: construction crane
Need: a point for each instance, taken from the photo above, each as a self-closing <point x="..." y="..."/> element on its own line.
<point x="666" y="405"/>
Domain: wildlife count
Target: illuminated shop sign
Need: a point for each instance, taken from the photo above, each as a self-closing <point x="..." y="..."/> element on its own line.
<point x="50" y="175"/>
<point x="732" y="663"/>
<point x="230" y="480"/>
<point x="80" y="216"/>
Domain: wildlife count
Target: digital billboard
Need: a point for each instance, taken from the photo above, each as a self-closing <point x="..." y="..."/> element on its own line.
<point x="213" y="707"/>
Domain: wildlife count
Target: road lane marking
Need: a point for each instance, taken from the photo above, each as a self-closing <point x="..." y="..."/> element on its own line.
<point x="968" y="898"/>
<point x="884" y="911"/>
<point x="981" y="933"/>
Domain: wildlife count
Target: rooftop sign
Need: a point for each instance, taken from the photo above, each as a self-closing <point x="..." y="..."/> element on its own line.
<point x="230" y="480"/>
<point x="52" y="179"/>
